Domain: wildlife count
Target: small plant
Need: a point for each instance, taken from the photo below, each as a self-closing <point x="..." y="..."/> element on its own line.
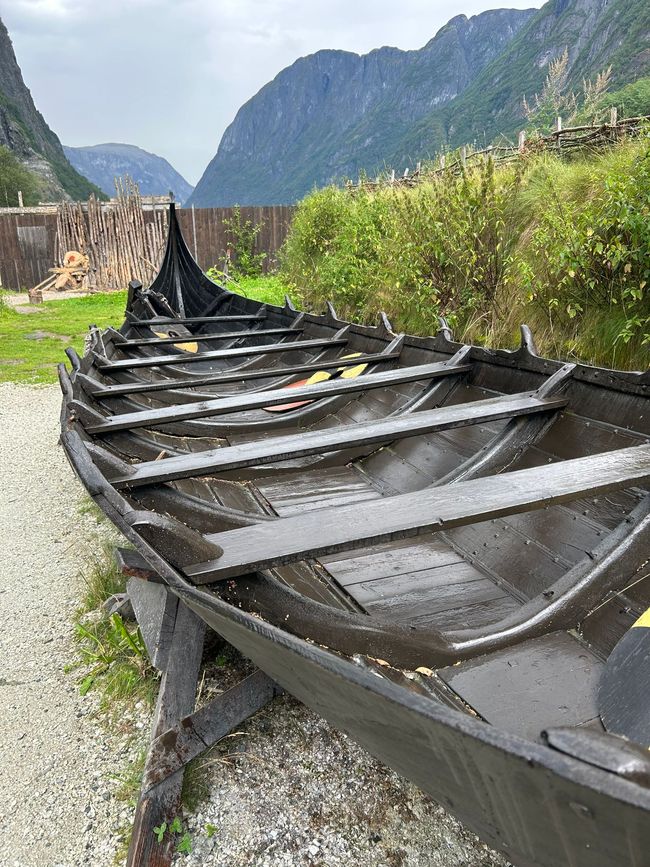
<point x="106" y="644"/>
<point x="174" y="829"/>
<point x="184" y="844"/>
<point x="246" y="262"/>
<point x="210" y="829"/>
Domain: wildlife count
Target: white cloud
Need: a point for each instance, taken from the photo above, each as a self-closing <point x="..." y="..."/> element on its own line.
<point x="169" y="75"/>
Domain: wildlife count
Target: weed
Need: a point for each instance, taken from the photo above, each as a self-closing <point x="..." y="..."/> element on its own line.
<point x="184" y="844"/>
<point x="102" y="579"/>
<point x="247" y="261"/>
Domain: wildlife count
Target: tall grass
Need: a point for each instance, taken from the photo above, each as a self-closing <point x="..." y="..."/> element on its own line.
<point x="564" y="245"/>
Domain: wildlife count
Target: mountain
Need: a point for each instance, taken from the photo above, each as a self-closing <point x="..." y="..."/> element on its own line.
<point x="334" y="114"/>
<point x="597" y="33"/>
<point x="25" y="133"/>
<point x="153" y="174"/>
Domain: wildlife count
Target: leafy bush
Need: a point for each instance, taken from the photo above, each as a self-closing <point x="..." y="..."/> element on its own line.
<point x="246" y="262"/>
<point x="440" y="247"/>
<point x="586" y="262"/>
<point x="564" y="244"/>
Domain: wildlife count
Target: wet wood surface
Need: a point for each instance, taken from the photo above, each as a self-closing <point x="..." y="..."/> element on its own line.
<point x="320" y="441"/>
<point x="274" y="397"/>
<point x="435" y="509"/>
<point x="218" y="354"/>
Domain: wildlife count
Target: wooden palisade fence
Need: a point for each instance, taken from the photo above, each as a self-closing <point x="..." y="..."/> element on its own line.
<point x="123" y="239"/>
<point x="562" y="139"/>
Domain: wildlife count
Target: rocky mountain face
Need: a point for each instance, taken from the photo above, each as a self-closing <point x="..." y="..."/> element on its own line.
<point x="104" y="162"/>
<point x="24" y="131"/>
<point x="334" y="114"/>
<point x="597" y="34"/>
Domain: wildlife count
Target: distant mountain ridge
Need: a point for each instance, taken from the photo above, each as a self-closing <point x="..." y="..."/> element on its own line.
<point x="103" y="162"/>
<point x="24" y="131"/>
<point x="333" y="114"/>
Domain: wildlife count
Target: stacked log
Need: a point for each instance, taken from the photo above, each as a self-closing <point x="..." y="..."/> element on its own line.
<point x="122" y="240"/>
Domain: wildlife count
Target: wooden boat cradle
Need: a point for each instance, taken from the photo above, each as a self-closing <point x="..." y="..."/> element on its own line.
<point x="281" y="574"/>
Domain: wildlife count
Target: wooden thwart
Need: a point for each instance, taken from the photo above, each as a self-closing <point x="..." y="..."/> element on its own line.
<point x="199" y="320"/>
<point x="259" y="400"/>
<point x="217" y="354"/>
<point x="327" y="531"/>
<point x="102" y="392"/>
<point x="205" y="338"/>
<point x="344" y="436"/>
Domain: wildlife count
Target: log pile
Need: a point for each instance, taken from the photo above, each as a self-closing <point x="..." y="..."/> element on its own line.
<point x="122" y="241"/>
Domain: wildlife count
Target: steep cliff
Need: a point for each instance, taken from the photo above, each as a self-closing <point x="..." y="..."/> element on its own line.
<point x="103" y="162"/>
<point x="333" y="113"/>
<point x="24" y="131"/>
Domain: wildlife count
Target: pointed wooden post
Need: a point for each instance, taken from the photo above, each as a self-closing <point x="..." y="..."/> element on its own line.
<point x="522" y="141"/>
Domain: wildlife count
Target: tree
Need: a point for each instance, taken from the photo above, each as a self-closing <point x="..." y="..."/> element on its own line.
<point x="14" y="177"/>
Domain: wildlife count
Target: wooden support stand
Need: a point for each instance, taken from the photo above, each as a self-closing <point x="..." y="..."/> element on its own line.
<point x="174" y="636"/>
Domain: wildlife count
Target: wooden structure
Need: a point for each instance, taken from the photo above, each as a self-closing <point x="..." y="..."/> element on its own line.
<point x="441" y="548"/>
<point x="125" y="239"/>
<point x="564" y="140"/>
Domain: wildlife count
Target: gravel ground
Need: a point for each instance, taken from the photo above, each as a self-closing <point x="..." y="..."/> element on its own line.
<point x="285" y="790"/>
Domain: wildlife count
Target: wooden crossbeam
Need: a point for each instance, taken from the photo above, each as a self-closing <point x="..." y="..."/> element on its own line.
<point x="273" y="397"/>
<point x="195" y="733"/>
<point x="218" y="354"/>
<point x="344" y="436"/>
<point x="198" y="320"/>
<point x="328" y="531"/>
<point x="102" y="392"/>
<point x="205" y="338"/>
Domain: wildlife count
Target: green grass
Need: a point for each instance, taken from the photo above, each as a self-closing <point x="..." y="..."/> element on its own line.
<point x="268" y="289"/>
<point x="65" y="323"/>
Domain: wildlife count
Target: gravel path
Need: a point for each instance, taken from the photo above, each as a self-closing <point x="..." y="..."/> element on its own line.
<point x="56" y="803"/>
<point x="286" y="790"/>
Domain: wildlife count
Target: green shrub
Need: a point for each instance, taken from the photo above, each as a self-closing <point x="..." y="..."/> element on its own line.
<point x="562" y="243"/>
<point x="242" y="234"/>
<point x="586" y="262"/>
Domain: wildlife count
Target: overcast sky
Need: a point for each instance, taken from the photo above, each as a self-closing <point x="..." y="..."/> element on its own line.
<point x="169" y="75"/>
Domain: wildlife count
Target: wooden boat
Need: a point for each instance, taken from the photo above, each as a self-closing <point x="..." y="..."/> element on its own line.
<point x="444" y="553"/>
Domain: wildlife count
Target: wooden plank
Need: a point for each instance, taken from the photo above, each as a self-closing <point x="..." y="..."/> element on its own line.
<point x="547" y="681"/>
<point x="199" y="320"/>
<point x="155" y="610"/>
<point x="102" y="392"/>
<point x="199" y="731"/>
<point x="319" y="441"/>
<point x="409" y="515"/>
<point x="273" y="397"/>
<point x="176" y="699"/>
<point x="205" y="338"/>
<point x="236" y="352"/>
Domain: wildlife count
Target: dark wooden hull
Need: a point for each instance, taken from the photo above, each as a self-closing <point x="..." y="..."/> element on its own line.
<point x="437" y="558"/>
